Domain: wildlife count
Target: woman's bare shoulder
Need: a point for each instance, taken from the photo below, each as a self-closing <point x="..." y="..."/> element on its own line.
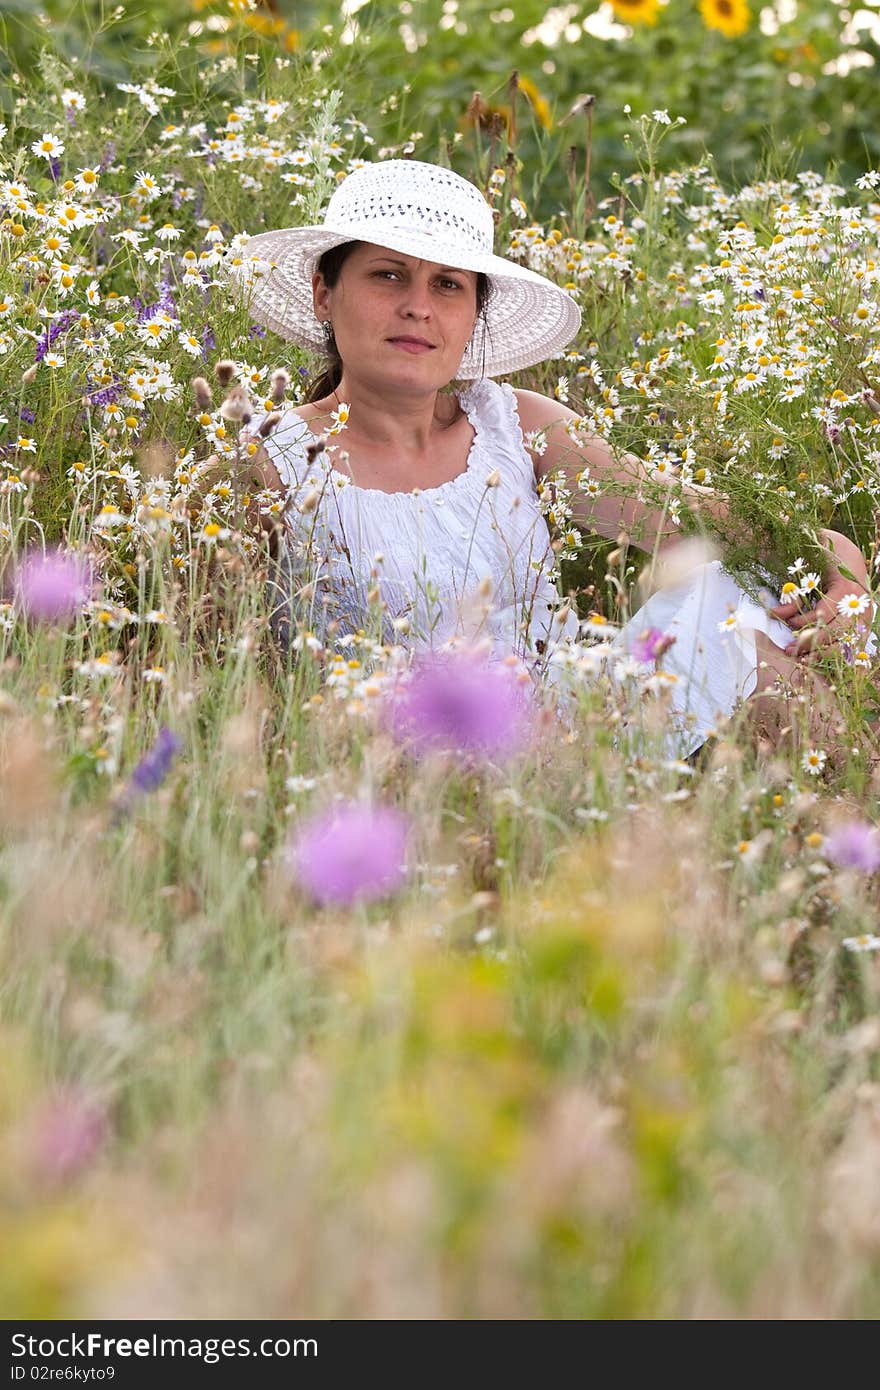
<point x="314" y="410"/>
<point x="536" y="412"/>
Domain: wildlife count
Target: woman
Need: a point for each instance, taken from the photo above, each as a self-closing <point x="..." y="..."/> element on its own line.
<point x="422" y="502"/>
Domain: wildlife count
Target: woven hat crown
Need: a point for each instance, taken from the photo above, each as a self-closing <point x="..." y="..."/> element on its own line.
<point x="420" y="200"/>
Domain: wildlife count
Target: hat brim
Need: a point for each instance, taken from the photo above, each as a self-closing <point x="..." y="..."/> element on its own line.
<point x="528" y="318"/>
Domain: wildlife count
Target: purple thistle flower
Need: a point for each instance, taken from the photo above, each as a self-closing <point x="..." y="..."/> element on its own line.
<point x="155" y="765"/>
<point x="651" y="644"/>
<point x="855" y="845"/>
<point x="461" y="703"/>
<point x="350" y="853"/>
<point x="69" y="1132"/>
<point x="51" y="587"/>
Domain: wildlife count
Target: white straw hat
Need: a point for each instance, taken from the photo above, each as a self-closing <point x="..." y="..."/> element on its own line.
<point x="419" y="210"/>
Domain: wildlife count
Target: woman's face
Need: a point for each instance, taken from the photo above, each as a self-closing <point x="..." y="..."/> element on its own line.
<point x="402" y="320"/>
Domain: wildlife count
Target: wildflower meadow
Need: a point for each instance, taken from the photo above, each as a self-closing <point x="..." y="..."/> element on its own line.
<point x="338" y="982"/>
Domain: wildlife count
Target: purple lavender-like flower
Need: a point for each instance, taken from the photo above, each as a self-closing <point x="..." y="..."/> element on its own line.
<point x="155" y="765"/>
<point x="350" y="853"/>
<point x="461" y="703"/>
<point x="69" y="1132"/>
<point x="108" y="394"/>
<point x="165" y="304"/>
<point x="29" y="416"/>
<point x="209" y="341"/>
<point x="52" y="586"/>
<point x="62" y="324"/>
<point x="651" y="644"/>
<point x="855" y="845"/>
<point x="149" y="773"/>
<point x="54" y="169"/>
<point x="108" y="156"/>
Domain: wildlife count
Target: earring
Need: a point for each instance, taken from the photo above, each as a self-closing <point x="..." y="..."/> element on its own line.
<point x="329" y="336"/>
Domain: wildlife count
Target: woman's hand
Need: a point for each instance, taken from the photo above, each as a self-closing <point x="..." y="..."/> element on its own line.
<point x="846" y="577"/>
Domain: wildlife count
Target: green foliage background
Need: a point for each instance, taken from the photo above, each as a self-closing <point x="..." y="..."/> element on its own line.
<point x="423" y="61"/>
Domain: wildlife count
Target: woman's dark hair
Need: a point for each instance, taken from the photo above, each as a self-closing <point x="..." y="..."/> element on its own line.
<point x="330" y="265"/>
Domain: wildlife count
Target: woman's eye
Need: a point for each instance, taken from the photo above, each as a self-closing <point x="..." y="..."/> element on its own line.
<point x="450" y="284"/>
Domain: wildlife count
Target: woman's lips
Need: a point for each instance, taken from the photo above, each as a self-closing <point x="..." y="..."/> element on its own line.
<point x="411" y="344"/>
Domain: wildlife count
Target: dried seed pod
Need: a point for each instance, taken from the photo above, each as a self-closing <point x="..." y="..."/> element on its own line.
<point x="202" y="393"/>
<point x="279" y="380"/>
<point x="236" y="405"/>
<point x="318" y="446"/>
<point x="268" y="425"/>
<point x="225" y="371"/>
<point x="476" y="110"/>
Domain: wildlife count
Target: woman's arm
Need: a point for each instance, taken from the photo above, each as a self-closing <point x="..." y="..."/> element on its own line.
<point x="651" y="528"/>
<point x="573" y="451"/>
<point x="846" y="577"/>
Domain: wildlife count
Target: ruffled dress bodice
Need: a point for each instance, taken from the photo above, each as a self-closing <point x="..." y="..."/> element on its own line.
<point x="468" y="559"/>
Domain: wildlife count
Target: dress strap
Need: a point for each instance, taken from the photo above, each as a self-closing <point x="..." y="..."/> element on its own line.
<point x="494" y="405"/>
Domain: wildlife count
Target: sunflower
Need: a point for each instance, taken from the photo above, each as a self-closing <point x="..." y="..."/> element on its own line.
<point x="636" y="11"/>
<point x="730" y="17"/>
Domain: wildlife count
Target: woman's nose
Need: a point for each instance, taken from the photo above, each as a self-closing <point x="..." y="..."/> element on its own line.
<point x="417" y="301"/>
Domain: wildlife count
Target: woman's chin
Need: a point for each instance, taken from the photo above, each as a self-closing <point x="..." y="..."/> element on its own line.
<point x="416" y="372"/>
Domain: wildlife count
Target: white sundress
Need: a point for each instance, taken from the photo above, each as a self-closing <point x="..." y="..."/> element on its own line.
<point x="471" y="559"/>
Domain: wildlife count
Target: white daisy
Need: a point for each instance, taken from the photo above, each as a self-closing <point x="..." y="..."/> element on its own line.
<point x="814" y="761"/>
<point x="145" y="186"/>
<point x="49" y="146"/>
<point x="129" y="236"/>
<point x="851" y="605"/>
<point x="866" y="942"/>
<point x="87" y="180"/>
<point x="190" y="343"/>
